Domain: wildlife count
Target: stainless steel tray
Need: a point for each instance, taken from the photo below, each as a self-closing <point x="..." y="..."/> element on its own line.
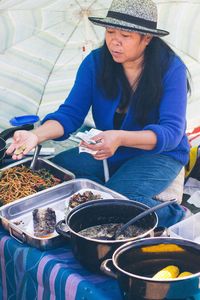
<point x="41" y="163"/>
<point x="55" y="198"/>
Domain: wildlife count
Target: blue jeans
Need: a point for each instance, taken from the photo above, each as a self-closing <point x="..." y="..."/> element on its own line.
<point x="140" y="178"/>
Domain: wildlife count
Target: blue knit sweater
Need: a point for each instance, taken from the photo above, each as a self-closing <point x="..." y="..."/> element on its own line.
<point x="169" y="128"/>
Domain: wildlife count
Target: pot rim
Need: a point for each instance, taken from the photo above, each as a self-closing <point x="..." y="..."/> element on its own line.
<point x="127" y="246"/>
<point x="77" y="209"/>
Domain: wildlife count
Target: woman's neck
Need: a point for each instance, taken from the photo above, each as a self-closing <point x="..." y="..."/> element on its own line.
<point x="134" y="65"/>
<point x="133" y="69"/>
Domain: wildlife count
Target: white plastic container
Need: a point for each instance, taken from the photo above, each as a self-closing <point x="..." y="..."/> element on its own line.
<point x="187" y="229"/>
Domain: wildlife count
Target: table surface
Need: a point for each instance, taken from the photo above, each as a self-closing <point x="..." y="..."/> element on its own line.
<point x="27" y="273"/>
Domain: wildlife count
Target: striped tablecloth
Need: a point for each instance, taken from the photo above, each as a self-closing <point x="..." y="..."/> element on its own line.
<point x="27" y="273"/>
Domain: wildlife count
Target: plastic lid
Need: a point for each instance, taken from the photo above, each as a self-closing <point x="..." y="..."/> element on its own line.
<point x="22" y="120"/>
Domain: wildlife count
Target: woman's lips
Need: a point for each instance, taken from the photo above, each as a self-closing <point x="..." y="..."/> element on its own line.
<point x="116" y="53"/>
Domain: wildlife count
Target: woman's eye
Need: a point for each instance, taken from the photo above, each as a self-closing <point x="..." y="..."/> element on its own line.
<point x="125" y="35"/>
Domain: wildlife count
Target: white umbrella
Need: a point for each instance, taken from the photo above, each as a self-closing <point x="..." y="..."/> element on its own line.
<point x="42" y="44"/>
<point x="44" y="41"/>
<point x="182" y="19"/>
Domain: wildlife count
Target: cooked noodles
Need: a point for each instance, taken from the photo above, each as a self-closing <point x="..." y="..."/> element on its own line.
<point x="20" y="181"/>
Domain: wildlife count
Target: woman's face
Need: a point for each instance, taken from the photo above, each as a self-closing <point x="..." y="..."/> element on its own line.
<point x="124" y="46"/>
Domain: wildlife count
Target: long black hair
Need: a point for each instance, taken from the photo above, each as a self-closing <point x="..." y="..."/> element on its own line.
<point x="157" y="58"/>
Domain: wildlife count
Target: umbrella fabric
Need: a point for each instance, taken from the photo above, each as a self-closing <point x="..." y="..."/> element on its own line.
<point x="44" y="41"/>
<point x="182" y="19"/>
<point x="42" y="44"/>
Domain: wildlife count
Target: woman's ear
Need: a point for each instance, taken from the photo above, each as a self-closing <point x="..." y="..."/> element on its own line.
<point x="148" y="39"/>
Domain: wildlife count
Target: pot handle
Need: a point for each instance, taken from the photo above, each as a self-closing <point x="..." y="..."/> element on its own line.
<point x="62" y="232"/>
<point x="7" y="133"/>
<point x="108" y="270"/>
<point x="159" y="231"/>
<point x="17" y="234"/>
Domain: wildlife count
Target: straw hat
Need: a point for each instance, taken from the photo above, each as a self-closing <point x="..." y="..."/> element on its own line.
<point x="132" y="15"/>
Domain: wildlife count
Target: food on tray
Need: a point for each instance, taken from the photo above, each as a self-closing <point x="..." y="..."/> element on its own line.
<point x="19" y="222"/>
<point x="20" y="181"/>
<point x="184" y="274"/>
<point x="79" y="198"/>
<point x="106" y="231"/>
<point x="44" y="221"/>
<point x="168" y="272"/>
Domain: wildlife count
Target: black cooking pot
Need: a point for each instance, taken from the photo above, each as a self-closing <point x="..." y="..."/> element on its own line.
<point x="134" y="264"/>
<point x="7" y="133"/>
<point x="92" y="252"/>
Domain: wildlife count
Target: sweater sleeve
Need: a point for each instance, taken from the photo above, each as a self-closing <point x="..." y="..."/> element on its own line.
<point x="172" y="113"/>
<point x="72" y="112"/>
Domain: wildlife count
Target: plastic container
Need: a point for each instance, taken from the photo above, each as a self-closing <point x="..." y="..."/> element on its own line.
<point x="22" y="120"/>
<point x="187" y="229"/>
<point x="195" y="198"/>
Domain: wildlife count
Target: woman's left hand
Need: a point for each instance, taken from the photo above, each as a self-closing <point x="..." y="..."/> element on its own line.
<point x="107" y="143"/>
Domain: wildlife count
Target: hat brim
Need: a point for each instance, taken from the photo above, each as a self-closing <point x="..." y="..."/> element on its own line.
<point x="114" y="23"/>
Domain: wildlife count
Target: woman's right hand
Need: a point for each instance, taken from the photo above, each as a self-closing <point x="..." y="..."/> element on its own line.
<point x="23" y="142"/>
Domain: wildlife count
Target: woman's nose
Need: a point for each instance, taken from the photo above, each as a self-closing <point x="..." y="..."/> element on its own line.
<point x="116" y="42"/>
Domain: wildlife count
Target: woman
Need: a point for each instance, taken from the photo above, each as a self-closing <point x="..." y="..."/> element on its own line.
<point x="137" y="88"/>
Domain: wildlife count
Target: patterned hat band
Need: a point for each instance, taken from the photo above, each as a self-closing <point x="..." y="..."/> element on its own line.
<point x="132" y="19"/>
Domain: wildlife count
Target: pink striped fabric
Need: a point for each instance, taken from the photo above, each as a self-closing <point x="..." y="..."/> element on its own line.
<point x="40" y="271"/>
<point x="3" y="267"/>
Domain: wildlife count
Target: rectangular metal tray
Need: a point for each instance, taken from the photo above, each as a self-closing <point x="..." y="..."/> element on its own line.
<point x="54" y="198"/>
<point x="57" y="171"/>
<point x="41" y="163"/>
